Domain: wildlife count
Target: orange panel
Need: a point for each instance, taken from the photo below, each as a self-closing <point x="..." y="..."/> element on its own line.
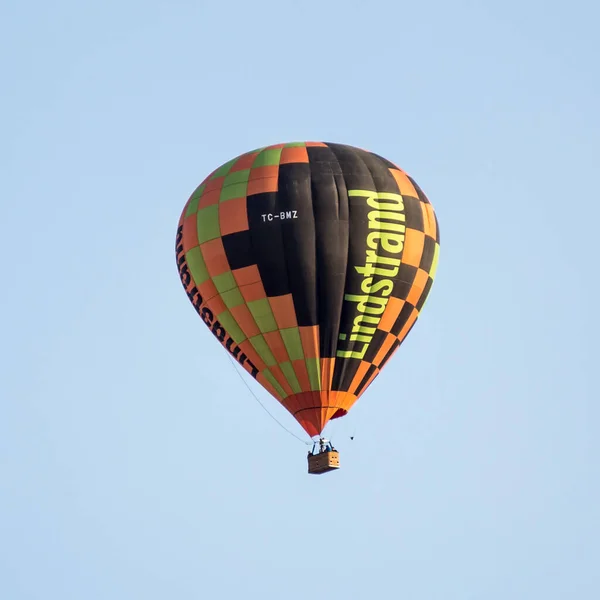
<point x="429" y="219"/>
<point x="291" y="404"/>
<point x="404" y="184"/>
<point x="215" y="257"/>
<point x="343" y="400"/>
<point x="390" y="314"/>
<point x="284" y="311"/>
<point x="275" y="343"/>
<point x="248" y="349"/>
<point x="358" y="377"/>
<point x="409" y="323"/>
<point x="247" y="275"/>
<point x="380" y="366"/>
<point x="308" y="400"/>
<point x="313" y="410"/>
<point x="316" y="145"/>
<point x="267" y="385"/>
<point x="417" y="287"/>
<point x="190" y="233"/>
<point x="296" y="154"/>
<point x="254" y="291"/>
<point x="310" y="341"/>
<point x="413" y="247"/>
<point x="327" y="365"/>
<point x="387" y="344"/>
<point x="370" y="381"/>
<point x="207" y="290"/>
<point x="302" y="374"/>
<point x="213" y="184"/>
<point x="245" y="320"/>
<point x="209" y="198"/>
<point x="244" y="162"/>
<point x="261" y="186"/>
<point x="233" y="216"/>
<point x="216" y="305"/>
<point x="263" y="179"/>
<point x="281" y="380"/>
<point x="264" y="172"/>
<point x="429" y="210"/>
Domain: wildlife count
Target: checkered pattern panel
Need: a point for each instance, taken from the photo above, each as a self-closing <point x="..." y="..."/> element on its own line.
<point x="416" y="274"/>
<point x="286" y="355"/>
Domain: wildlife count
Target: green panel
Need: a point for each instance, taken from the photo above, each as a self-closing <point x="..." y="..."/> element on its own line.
<point x="224" y="169"/>
<point x="295" y="145"/>
<point x="255" y="151"/>
<point x="235" y="190"/>
<point x="267" y="158"/>
<point x="293" y="343"/>
<point x="235" y="185"/>
<point x="260" y="345"/>
<point x="232" y="298"/>
<point x="208" y="223"/>
<point x="290" y="375"/>
<point x="237" y="177"/>
<point x="224" y="282"/>
<point x="233" y="329"/>
<point x="199" y="190"/>
<point x="271" y="379"/>
<point x="193" y="205"/>
<point x="197" y="266"/>
<point x="263" y="315"/>
<point x="314" y="373"/>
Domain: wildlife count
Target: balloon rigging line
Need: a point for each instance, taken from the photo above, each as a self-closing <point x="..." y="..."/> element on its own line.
<point x="263" y="406"/>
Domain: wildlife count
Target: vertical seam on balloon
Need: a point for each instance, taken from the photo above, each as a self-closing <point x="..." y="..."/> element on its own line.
<point x="345" y="364"/>
<point x="337" y="189"/>
<point x="285" y="261"/>
<point x="316" y="287"/>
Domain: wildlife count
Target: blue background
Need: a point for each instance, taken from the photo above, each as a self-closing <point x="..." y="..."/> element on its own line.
<point x="134" y="463"/>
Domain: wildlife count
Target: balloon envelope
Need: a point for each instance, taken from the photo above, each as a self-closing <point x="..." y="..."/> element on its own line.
<point x="310" y="263"/>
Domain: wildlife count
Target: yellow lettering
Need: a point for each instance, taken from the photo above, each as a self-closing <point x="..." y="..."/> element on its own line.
<point x="359" y="328"/>
<point x="387" y="221"/>
<point x="377" y="217"/>
<point x="390" y="242"/>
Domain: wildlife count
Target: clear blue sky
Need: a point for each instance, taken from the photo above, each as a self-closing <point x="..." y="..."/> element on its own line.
<point x="474" y="471"/>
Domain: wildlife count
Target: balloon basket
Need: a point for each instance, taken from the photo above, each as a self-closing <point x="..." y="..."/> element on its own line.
<point x="323" y="462"/>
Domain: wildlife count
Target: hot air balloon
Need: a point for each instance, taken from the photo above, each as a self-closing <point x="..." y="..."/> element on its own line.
<point x="310" y="263"/>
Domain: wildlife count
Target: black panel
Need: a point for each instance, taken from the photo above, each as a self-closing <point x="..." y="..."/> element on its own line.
<point x="389" y="164"/>
<point x="403" y="317"/>
<point x="414" y="213"/>
<point x="380" y="172"/>
<point x="299" y="240"/>
<point x="267" y="242"/>
<point x="238" y="249"/>
<point x="406" y="276"/>
<point x="355" y="172"/>
<point x="389" y="353"/>
<point x="356" y="176"/>
<point x="330" y="208"/>
<point x="424" y="294"/>
<point x="344" y="371"/>
<point x="428" y="254"/>
<point x="365" y="379"/>
<point x="378" y="339"/>
<point x="420" y="192"/>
